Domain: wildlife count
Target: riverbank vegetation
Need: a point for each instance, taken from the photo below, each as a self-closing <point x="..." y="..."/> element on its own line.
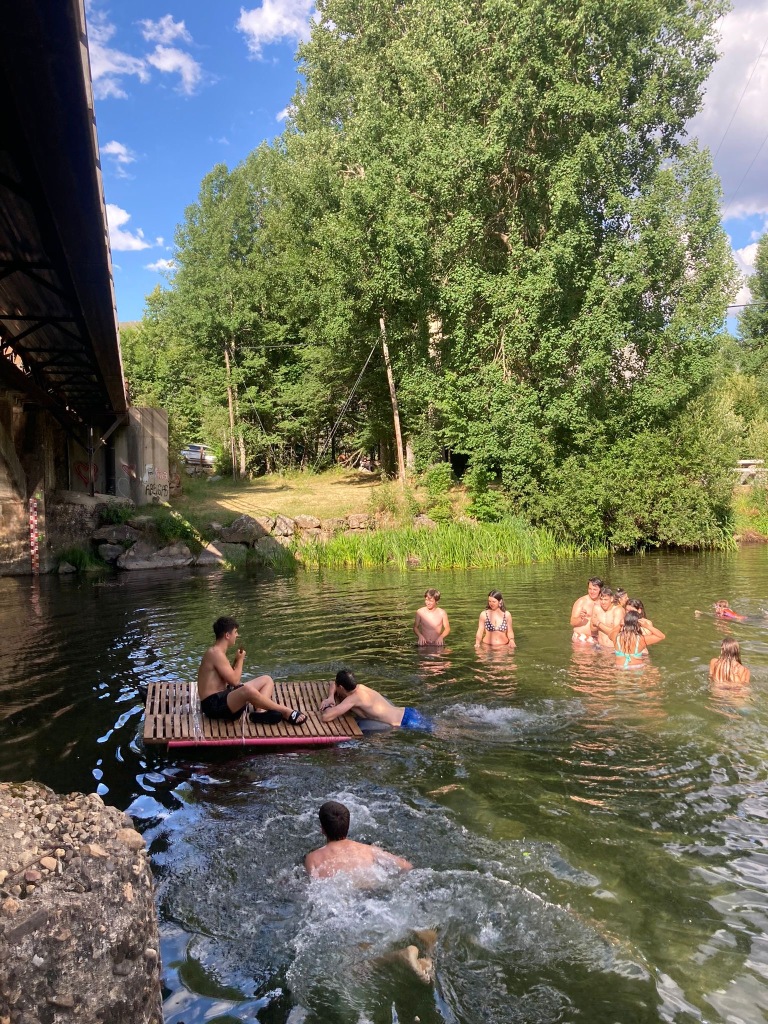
<point x="481" y="243"/>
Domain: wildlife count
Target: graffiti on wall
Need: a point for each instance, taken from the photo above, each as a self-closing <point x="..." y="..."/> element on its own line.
<point x="156" y="486"/>
<point x="81" y="471"/>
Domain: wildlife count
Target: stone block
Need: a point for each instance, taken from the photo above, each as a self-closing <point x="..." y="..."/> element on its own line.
<point x="284" y="526"/>
<point x="144" y="555"/>
<point x="217" y="553"/>
<point x="244" y="530"/>
<point x="305" y="523"/>
<point x="110" y="552"/>
<point x="118" y="534"/>
<point x="358" y="521"/>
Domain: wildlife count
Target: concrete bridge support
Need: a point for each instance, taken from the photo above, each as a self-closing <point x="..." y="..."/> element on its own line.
<point x="41" y="460"/>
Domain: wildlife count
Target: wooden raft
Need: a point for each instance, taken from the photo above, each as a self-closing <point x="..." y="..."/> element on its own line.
<point x="173" y="717"/>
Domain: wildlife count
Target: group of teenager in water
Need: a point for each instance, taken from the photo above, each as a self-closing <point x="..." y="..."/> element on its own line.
<point x="609" y="619"/>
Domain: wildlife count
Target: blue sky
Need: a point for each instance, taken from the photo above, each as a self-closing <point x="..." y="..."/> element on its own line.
<point x="182" y="86"/>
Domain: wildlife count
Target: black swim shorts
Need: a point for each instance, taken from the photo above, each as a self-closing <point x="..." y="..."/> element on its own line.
<point x="215" y="706"/>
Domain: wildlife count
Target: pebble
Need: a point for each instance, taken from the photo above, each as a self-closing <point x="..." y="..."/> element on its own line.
<point x="10" y="906"/>
<point x="95" y="850"/>
<point x="3" y="876"/>
<point x="49" y="863"/>
<point x="132" y="839"/>
<point x="32" y="875"/>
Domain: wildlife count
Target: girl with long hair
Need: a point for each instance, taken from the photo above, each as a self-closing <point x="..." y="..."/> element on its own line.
<point x="728" y="667"/>
<point x="632" y="638"/>
<point x="494" y="627"/>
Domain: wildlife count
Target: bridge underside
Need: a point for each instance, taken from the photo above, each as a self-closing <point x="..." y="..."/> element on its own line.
<point x="58" y="332"/>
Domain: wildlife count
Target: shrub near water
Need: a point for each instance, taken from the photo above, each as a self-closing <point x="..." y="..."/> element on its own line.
<point x="454" y="545"/>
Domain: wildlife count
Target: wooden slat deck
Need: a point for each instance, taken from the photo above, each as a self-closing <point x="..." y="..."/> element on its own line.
<point x="173" y="718"/>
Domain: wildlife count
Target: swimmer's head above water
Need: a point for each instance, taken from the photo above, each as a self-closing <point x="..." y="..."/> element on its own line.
<point x="334" y="820"/>
<point x="346" y="680"/>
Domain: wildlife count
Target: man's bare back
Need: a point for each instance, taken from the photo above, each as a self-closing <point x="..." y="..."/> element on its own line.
<point x="346" y="855"/>
<point x="363" y="702"/>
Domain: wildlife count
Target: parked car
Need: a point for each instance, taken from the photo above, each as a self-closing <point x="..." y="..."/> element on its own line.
<point x="198" y="455"/>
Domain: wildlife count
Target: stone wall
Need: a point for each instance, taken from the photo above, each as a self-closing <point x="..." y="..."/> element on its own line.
<point x="78" y="927"/>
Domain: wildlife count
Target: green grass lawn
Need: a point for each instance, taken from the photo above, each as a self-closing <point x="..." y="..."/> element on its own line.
<point x="335" y="492"/>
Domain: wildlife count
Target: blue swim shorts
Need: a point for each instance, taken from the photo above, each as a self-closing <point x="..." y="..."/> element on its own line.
<point x="413" y="719"/>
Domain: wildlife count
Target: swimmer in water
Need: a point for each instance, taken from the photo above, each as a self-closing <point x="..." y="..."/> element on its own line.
<point x="606" y="613"/>
<point x="342" y="855"/>
<point x="724" y="611"/>
<point x="581" y="613"/>
<point x="727" y="669"/>
<point x="620" y="597"/>
<point x="494" y="626"/>
<point x="346" y="695"/>
<point x="632" y="638"/>
<point x="431" y="623"/>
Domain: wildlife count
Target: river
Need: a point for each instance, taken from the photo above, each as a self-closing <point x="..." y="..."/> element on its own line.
<point x="589" y="844"/>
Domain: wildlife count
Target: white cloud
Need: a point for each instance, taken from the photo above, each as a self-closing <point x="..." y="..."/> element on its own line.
<point x="741" y="69"/>
<point x="170" y="60"/>
<point x="288" y="111"/>
<point x="273" y="22"/>
<point x="120" y="156"/>
<point x="108" y="65"/>
<point x="120" y="240"/>
<point x="164" y="30"/>
<point x="745" y="259"/>
<point x="161" y="265"/>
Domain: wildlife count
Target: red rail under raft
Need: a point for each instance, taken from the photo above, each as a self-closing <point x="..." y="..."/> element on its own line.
<point x="173" y="718"/>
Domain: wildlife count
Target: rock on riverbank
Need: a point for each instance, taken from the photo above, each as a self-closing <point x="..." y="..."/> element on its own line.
<point x="78" y="930"/>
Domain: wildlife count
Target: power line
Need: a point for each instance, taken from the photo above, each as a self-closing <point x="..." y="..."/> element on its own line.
<point x="743" y="93"/>
<point x="346" y="404"/>
<point x="744" y="176"/>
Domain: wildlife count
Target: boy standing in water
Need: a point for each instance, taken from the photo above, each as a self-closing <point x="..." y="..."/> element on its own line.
<point x="431" y="623"/>
<point x="605" y="616"/>
<point x="581" y="613"/>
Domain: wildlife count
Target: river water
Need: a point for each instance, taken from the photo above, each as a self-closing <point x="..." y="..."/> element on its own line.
<point x="589" y="844"/>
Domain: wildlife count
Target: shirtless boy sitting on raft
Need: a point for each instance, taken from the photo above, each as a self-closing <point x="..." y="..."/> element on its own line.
<point x="345" y="695"/>
<point x="581" y="613"/>
<point x="431" y="623"/>
<point x="222" y="695"/>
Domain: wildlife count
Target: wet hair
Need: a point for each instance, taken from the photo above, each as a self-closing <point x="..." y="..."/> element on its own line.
<point x="721" y="604"/>
<point x="334" y="820"/>
<point x="595" y="581"/>
<point x="629" y="631"/>
<point x="618" y="593"/>
<point x="730" y="656"/>
<point x="432" y="592"/>
<point x="223" y="625"/>
<point x="634" y="604"/>
<point x="496" y="594"/>
<point x="606" y="591"/>
<point x="347" y="681"/>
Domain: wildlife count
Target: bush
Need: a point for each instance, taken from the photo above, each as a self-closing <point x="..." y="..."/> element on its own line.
<point x="486" y="505"/>
<point x="652" y="488"/>
<point x="83" y="559"/>
<point x="438" y="480"/>
<point x="116" y="513"/>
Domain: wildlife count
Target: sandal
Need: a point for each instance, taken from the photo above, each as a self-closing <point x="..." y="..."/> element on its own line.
<point x="297" y="717"/>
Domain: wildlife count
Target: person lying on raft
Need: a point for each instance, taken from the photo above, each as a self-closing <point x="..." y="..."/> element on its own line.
<point x="431" y="623"/>
<point x="494" y="626"/>
<point x="342" y="855"/>
<point x="345" y="694"/>
<point x="632" y="638"/>
<point x="581" y="613"/>
<point x="728" y="669"/>
<point x="221" y="693"/>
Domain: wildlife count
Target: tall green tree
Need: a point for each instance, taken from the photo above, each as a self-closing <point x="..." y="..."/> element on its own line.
<point x="753" y="321"/>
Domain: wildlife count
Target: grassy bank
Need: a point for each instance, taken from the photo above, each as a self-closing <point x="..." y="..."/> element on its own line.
<point x="452" y="545"/>
<point x="331" y="494"/>
<point x="750" y="513"/>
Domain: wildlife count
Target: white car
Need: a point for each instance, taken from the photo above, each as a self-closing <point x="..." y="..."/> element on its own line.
<point x="198" y="455"/>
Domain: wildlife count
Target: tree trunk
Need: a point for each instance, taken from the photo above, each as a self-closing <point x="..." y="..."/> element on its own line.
<point x="393" y="397"/>
<point x="231" y="404"/>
